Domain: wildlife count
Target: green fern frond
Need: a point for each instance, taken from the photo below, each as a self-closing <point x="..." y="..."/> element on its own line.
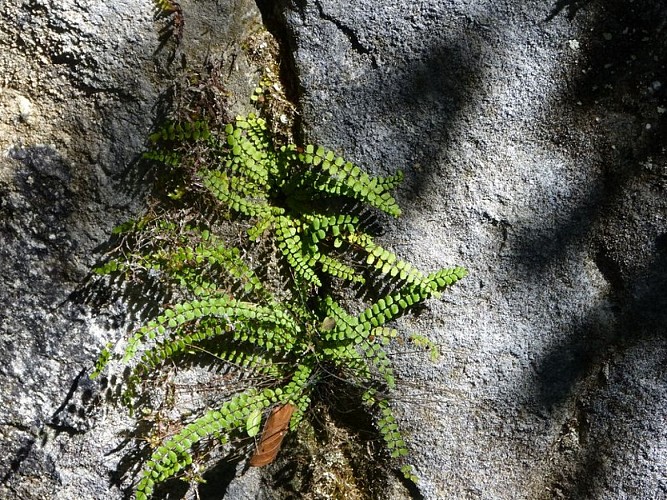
<point x="111" y="266"/>
<point x="178" y="132"/>
<point x="234" y="191"/>
<point x="383" y="260"/>
<point x="446" y="277"/>
<point x="248" y="361"/>
<point x="174" y="454"/>
<point x="409" y="473"/>
<point x="388" y="428"/>
<point x="426" y="343"/>
<point x="232" y="310"/>
<point x="288" y="236"/>
<point x="391" y="182"/>
<point x="164" y="5"/>
<point x="255" y="323"/>
<point x="264" y="224"/>
<point x="102" y="361"/>
<point x="171" y="158"/>
<point x="377" y="358"/>
<point x="228" y="337"/>
<point x="338" y="269"/>
<point x="337" y="177"/>
<point x="346" y="325"/>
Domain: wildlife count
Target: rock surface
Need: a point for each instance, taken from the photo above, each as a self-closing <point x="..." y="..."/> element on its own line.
<point x="81" y="84"/>
<point x="533" y="139"/>
<point x="532" y="135"/>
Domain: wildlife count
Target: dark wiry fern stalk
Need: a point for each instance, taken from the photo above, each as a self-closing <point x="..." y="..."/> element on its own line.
<point x="289" y="197"/>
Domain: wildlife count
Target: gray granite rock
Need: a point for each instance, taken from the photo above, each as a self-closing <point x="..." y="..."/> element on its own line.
<point x="532" y="135"/>
<point x="81" y="84"/>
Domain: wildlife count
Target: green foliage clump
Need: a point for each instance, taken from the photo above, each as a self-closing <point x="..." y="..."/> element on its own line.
<point x="299" y="207"/>
<point x="166" y="5"/>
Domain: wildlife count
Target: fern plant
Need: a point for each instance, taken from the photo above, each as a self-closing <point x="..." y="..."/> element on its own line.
<point x="301" y="204"/>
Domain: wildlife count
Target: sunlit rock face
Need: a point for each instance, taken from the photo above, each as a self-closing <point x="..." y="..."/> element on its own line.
<point x="81" y="85"/>
<point x="532" y="135"/>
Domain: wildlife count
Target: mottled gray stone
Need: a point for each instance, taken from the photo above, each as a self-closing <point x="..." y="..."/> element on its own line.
<point x="533" y="147"/>
<point x="532" y="135"/>
<point x="81" y="84"/>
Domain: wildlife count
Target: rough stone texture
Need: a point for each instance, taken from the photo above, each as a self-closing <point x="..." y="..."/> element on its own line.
<point x="532" y="134"/>
<point x="81" y="84"/>
<point x="533" y="138"/>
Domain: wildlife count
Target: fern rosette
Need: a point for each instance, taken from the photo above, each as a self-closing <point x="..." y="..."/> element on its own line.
<point x="226" y="306"/>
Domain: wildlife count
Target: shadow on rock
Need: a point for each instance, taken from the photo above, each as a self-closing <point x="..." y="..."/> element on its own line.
<point x="620" y="222"/>
<point x="612" y="362"/>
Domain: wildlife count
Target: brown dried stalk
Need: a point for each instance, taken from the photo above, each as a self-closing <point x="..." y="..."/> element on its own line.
<point x="272" y="436"/>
